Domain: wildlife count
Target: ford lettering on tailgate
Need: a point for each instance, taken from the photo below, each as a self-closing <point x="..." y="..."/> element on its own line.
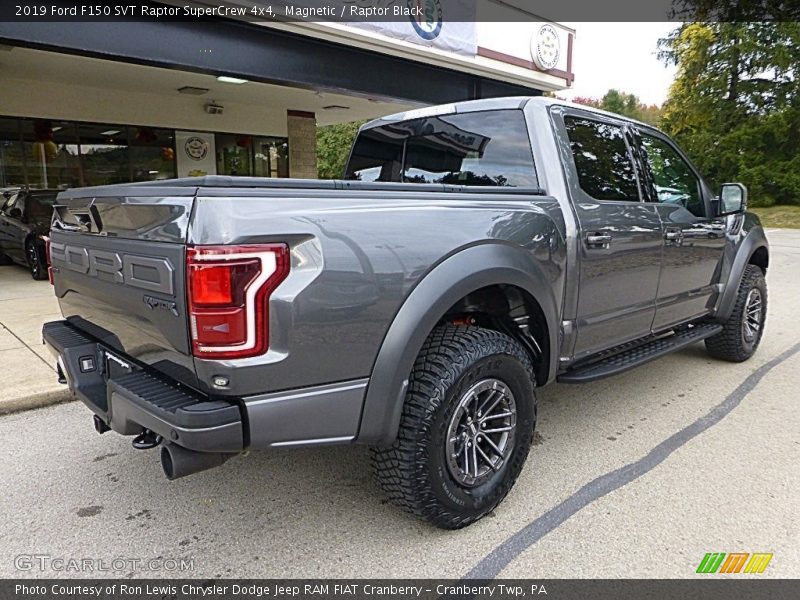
<point x="147" y="273"/>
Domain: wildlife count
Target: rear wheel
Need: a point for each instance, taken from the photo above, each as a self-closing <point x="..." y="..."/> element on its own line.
<point x="466" y="427"/>
<point x="742" y="332"/>
<point x="36" y="263"/>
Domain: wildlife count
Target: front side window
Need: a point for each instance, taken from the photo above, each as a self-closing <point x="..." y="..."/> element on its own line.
<point x="602" y="161"/>
<point x="673" y="179"/>
<point x="489" y="148"/>
<point x="7" y="202"/>
<point x="17" y="202"/>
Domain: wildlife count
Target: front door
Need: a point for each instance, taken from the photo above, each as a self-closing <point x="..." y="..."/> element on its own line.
<point x="694" y="240"/>
<point x="621" y="237"/>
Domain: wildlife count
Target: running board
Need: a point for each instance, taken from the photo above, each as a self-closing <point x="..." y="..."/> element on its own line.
<point x="638" y="355"/>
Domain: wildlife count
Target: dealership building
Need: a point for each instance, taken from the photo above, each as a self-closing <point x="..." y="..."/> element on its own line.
<point x="96" y="102"/>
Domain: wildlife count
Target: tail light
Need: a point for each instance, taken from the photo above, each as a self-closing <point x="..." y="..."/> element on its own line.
<point x="47" y="258"/>
<point x="228" y="289"/>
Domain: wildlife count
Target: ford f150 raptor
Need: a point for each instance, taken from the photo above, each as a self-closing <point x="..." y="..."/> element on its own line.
<point x="471" y="253"/>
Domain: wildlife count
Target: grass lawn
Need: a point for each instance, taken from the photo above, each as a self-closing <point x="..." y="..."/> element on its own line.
<point x="779" y="216"/>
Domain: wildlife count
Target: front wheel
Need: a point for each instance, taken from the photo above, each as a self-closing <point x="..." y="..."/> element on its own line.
<point x="742" y="332"/>
<point x="36" y="263"/>
<point x="465" y="430"/>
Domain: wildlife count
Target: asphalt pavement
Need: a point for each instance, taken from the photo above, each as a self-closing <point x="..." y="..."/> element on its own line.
<point x="639" y="475"/>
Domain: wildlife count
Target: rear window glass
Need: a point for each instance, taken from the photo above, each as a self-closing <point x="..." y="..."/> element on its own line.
<point x="489" y="148"/>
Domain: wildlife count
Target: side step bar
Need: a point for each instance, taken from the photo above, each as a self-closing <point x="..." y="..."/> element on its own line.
<point x="628" y="358"/>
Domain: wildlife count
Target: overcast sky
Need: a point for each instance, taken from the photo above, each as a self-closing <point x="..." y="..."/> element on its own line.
<point x="621" y="56"/>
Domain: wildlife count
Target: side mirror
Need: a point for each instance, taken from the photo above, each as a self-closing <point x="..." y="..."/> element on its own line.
<point x="733" y="199"/>
<point x="15" y="213"/>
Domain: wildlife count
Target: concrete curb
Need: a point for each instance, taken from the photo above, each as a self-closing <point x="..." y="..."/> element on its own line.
<point x="41" y="400"/>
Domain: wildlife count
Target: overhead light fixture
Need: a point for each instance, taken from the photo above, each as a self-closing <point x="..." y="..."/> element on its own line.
<point x="335" y="107"/>
<point x="236" y="80"/>
<point x="192" y="90"/>
<point x="110" y="132"/>
<point x="152" y="172"/>
<point x="57" y="128"/>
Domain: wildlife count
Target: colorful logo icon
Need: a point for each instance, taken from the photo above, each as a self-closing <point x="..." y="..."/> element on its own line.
<point x="734" y="562"/>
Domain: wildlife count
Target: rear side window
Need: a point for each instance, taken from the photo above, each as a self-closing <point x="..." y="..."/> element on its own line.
<point x="604" y="165"/>
<point x="489" y="148"/>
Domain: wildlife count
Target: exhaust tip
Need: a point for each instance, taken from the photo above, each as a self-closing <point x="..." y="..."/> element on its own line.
<point x="166" y="463"/>
<point x="177" y="461"/>
<point x="100" y="425"/>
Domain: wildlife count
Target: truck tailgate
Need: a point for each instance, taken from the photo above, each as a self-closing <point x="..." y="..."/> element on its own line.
<point x="118" y="269"/>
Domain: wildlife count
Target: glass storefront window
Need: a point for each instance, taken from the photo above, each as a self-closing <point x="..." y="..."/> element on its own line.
<point x="152" y="153"/>
<point x="234" y="154"/>
<point x="105" y="154"/>
<point x="12" y="163"/>
<point x="271" y="157"/>
<point x="51" y="154"/>
<point x="45" y="153"/>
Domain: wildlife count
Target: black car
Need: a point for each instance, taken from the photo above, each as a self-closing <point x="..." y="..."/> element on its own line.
<point x="24" y="222"/>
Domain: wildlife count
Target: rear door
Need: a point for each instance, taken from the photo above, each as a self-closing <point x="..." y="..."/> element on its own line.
<point x="119" y="271"/>
<point x="621" y="239"/>
<point x="694" y="239"/>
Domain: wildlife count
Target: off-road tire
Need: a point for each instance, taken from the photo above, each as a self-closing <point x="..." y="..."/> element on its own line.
<point x="731" y="343"/>
<point x="413" y="471"/>
<point x="36" y="264"/>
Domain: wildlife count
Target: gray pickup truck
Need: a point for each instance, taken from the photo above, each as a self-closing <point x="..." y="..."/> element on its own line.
<point x="471" y="253"/>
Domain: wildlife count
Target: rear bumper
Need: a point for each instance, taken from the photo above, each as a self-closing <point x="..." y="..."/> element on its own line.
<point x="129" y="398"/>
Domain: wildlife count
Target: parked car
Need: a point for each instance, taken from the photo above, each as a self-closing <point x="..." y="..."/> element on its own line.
<point x="496" y="246"/>
<point x="24" y="224"/>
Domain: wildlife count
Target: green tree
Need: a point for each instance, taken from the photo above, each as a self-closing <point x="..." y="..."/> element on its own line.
<point x="629" y="105"/>
<point x="624" y="104"/>
<point x="333" y="148"/>
<point x="735" y="103"/>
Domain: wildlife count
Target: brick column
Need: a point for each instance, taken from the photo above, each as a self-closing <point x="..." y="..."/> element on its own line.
<point x="302" y="128"/>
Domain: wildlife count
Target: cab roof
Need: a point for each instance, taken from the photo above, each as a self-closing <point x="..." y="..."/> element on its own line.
<point x="507" y="103"/>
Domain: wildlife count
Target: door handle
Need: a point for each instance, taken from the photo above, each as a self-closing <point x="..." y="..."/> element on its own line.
<point x="596" y="239"/>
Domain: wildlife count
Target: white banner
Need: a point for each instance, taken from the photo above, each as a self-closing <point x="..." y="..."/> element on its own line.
<point x="428" y="23"/>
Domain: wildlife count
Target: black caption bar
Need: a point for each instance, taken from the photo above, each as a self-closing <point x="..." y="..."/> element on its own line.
<point x="365" y="11"/>
<point x="425" y="589"/>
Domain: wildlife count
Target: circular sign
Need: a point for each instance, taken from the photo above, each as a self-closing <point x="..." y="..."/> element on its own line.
<point x="428" y="25"/>
<point x="545" y="48"/>
<point x="196" y="148"/>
